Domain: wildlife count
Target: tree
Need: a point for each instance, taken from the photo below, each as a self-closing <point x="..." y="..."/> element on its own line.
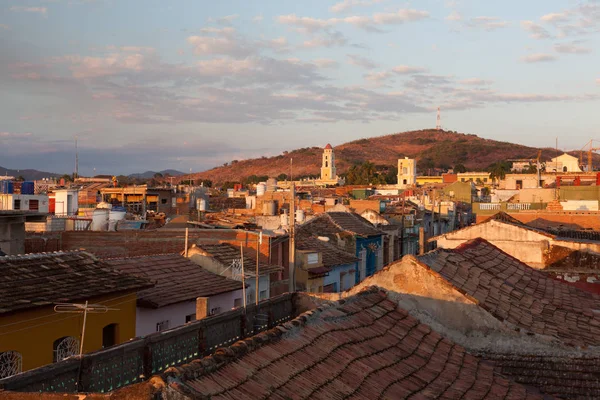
<point x="282" y="177"/>
<point x="499" y="169"/>
<point x="158" y="175"/>
<point x="19" y="178"/>
<point x="459" y="168"/>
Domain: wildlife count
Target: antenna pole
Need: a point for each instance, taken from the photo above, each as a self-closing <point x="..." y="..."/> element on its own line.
<point x="438" y="125"/>
<point x="85" y="310"/>
<point x="76" y="160"/>
<point x="292" y="260"/>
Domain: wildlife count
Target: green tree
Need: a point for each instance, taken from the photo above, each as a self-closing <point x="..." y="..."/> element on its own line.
<point x="499" y="169"/>
<point x="282" y="177"/>
<point x="459" y="168"/>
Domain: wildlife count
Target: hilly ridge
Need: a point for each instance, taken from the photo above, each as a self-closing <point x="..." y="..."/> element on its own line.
<point x="431" y="148"/>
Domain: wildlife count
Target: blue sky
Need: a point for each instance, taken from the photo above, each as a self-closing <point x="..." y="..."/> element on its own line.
<point x="191" y="84"/>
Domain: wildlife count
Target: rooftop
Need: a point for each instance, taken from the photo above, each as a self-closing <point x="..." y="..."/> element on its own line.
<point x="227" y="255"/>
<point x="332" y="223"/>
<point x="364" y="347"/>
<point x="515" y="293"/>
<point x="36" y="280"/>
<point x="177" y="279"/>
<point x="331" y="254"/>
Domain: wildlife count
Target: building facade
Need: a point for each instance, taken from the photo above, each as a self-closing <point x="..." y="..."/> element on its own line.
<point x="407" y="172"/>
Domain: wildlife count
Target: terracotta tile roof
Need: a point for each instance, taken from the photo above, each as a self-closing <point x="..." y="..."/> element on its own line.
<point x="226" y="254"/>
<point x="565" y="377"/>
<point x="35" y="280"/>
<point x="518" y="294"/>
<point x="177" y="279"/>
<point x="332" y="223"/>
<point x="331" y="254"/>
<point x="364" y="347"/>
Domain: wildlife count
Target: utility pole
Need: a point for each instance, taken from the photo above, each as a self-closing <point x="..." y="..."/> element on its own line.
<point x="243" y="275"/>
<point x="257" y="257"/>
<point x="292" y="270"/>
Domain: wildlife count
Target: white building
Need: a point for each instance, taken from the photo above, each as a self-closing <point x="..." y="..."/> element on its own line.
<point x="178" y="284"/>
<point x="563" y="163"/>
<point x="24" y="202"/>
<point x="66" y="202"/>
<point x="407" y="172"/>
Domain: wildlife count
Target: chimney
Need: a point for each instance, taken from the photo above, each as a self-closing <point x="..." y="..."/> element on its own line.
<point x="202" y="310"/>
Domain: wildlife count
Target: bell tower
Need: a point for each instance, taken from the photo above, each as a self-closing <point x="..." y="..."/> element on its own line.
<point x="328" y="172"/>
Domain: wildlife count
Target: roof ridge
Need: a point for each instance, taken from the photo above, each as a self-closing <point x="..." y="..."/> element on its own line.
<point x="34" y="256"/>
<point x="140" y="256"/>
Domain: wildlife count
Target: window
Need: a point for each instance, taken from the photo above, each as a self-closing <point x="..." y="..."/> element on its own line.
<point x="162" y="326"/>
<point x="404" y="171"/>
<point x="215" y="311"/>
<point x="17" y="205"/>
<point x="326" y="164"/>
<point x="405" y="181"/>
<point x="163" y="201"/>
<point x="65" y="347"/>
<point x="237" y="302"/>
<point x="109" y="335"/>
<point x="190" y="318"/>
<point x="263" y="295"/>
<point x="564" y="169"/>
<point x="11" y="363"/>
<point x="34" y="205"/>
<point x="312" y="258"/>
<point x="485" y="179"/>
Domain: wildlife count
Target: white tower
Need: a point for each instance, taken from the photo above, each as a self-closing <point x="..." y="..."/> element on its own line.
<point x="407" y="172"/>
<point x="328" y="172"/>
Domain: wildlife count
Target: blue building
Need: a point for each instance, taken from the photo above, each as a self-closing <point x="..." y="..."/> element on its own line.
<point x="351" y="233"/>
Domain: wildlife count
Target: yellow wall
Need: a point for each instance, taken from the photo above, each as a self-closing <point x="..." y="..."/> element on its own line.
<point x="421" y="180"/>
<point x="34" y="339"/>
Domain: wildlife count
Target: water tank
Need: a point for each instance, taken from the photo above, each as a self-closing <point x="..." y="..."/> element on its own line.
<point x="299" y="216"/>
<point x="201" y="204"/>
<point x="285" y="219"/>
<point x="271" y="185"/>
<point x="28" y="187"/>
<point x="7" y="187"/>
<point x="100" y="219"/>
<point x="269" y="208"/>
<point x="261" y="188"/>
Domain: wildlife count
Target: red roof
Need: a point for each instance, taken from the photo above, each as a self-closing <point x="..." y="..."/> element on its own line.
<point x="365" y="347"/>
<point x="328" y="147"/>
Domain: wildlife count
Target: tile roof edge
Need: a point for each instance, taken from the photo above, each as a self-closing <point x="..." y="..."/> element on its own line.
<point x="142" y="256"/>
<point x="29" y="256"/>
<point x="226" y="355"/>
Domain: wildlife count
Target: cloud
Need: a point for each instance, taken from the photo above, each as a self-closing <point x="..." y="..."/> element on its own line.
<point x="227" y="20"/>
<point x="223" y="41"/>
<point x="361" y="61"/>
<point x="329" y="39"/>
<point x="571" y="48"/>
<point x="407" y="70"/>
<point x="12" y="135"/>
<point x="536" y="31"/>
<point x="326" y="63"/>
<point x="4" y="27"/>
<point x="347" y="5"/>
<point x="368" y="23"/>
<point x="486" y="23"/>
<point x="257" y="18"/>
<point x="38" y="10"/>
<point x="555" y="17"/>
<point x="378" y="76"/>
<point x="474" y="82"/>
<point x="454" y="16"/>
<point x="538" y="57"/>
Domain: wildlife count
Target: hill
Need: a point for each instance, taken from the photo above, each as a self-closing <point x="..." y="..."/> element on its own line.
<point x="431" y="148"/>
<point x="27" y="174"/>
<point x="150" y="174"/>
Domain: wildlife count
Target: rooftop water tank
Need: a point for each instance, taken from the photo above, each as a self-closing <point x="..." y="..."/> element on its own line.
<point x="99" y="219"/>
<point x="269" y="208"/>
<point x="271" y="185"/>
<point x="261" y="188"/>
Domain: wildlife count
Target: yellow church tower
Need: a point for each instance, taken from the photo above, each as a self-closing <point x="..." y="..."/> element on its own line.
<point x="328" y="173"/>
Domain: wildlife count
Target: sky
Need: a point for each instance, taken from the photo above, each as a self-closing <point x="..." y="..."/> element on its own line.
<point x="192" y="84"/>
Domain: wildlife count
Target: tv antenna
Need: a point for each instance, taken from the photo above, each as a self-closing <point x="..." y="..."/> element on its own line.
<point x="74" y="308"/>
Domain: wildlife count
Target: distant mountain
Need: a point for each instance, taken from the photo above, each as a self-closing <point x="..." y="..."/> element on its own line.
<point x="27" y="174"/>
<point x="431" y="148"/>
<point x="150" y="174"/>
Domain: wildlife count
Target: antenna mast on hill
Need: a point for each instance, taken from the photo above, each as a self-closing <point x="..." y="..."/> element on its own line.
<point x="76" y="160"/>
<point x="438" y="125"/>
